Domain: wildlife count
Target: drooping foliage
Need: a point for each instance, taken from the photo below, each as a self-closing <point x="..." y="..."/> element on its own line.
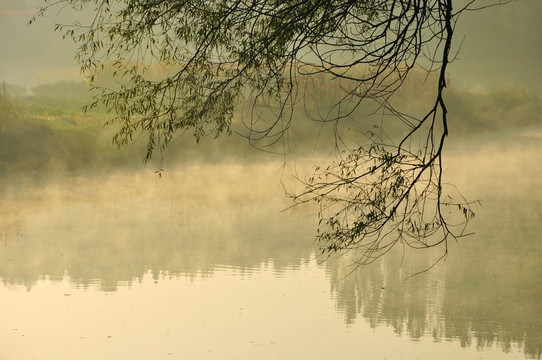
<point x="219" y="53"/>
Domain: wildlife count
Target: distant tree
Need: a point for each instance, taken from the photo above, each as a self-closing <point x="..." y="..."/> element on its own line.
<point x="223" y="51"/>
<point x="64" y="89"/>
<point x="9" y="108"/>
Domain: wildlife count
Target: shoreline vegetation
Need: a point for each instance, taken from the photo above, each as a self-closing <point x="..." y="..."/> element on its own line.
<point x="45" y="130"/>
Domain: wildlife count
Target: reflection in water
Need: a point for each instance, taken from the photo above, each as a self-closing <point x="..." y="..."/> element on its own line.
<point x="198" y="237"/>
<point x="114" y="229"/>
<point x="488" y="290"/>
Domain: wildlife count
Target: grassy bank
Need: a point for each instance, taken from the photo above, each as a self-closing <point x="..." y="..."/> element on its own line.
<point x="45" y="129"/>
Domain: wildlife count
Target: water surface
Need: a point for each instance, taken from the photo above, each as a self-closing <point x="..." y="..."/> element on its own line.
<point x="204" y="264"/>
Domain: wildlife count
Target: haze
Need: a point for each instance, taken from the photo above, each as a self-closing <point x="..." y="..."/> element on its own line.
<point x="102" y="257"/>
<point x="502" y="47"/>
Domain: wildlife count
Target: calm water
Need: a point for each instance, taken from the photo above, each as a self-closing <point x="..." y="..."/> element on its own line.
<point x="202" y="264"/>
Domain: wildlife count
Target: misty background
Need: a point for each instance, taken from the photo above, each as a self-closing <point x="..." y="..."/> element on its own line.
<point x="501" y="46"/>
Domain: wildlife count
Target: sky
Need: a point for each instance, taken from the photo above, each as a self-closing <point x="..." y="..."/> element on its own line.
<point x="29" y="52"/>
<point x="501" y="46"/>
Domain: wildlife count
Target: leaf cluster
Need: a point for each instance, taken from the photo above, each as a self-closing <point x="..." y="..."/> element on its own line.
<point x="377" y="196"/>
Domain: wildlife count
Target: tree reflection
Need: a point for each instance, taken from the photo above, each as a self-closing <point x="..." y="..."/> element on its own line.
<point x="114" y="231"/>
<point x="487" y="293"/>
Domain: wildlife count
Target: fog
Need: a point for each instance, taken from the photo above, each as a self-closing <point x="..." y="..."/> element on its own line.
<point x="500" y="46"/>
<point x="198" y="253"/>
<point x="208" y="245"/>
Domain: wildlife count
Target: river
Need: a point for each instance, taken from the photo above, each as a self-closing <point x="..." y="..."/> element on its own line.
<point x="203" y="263"/>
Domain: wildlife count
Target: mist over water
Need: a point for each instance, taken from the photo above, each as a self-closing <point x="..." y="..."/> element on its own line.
<point x="132" y="258"/>
<point x="186" y="222"/>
